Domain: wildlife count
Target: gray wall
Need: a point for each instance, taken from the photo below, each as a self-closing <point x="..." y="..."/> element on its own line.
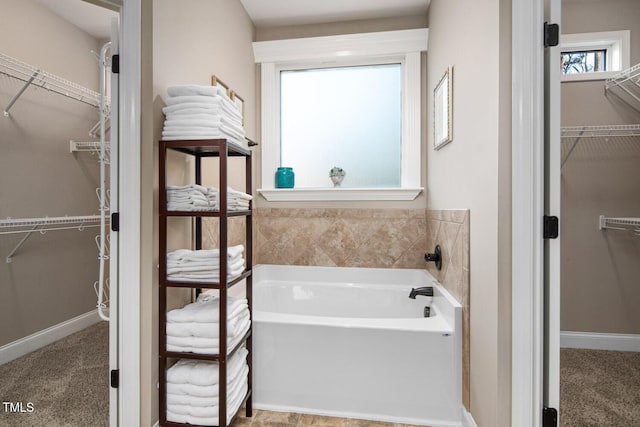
<point x="600" y="269"/>
<point x="51" y="277"/>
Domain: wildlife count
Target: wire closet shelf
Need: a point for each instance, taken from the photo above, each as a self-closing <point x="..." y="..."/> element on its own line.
<point x="626" y="86"/>
<point x="572" y="135"/>
<point x="621" y="224"/>
<point x="33" y="76"/>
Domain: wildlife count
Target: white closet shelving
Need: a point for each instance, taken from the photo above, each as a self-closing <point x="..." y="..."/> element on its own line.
<point x="622" y="224"/>
<point x="626" y="86"/>
<point x="33" y="76"/>
<point x="43" y="225"/>
<point x="611" y="134"/>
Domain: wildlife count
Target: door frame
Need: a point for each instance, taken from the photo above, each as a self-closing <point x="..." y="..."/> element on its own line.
<point x="129" y="192"/>
<point x="527" y="213"/>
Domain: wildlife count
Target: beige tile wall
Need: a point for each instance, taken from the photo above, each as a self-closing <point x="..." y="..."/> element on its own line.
<point x="385" y="238"/>
<point x="450" y="229"/>
<point x="379" y="238"/>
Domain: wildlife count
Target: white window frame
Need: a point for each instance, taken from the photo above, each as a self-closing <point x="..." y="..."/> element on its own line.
<point x="403" y="47"/>
<point x="616" y="44"/>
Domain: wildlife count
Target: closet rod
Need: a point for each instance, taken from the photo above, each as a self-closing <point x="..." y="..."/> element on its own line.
<point x="42" y="225"/>
<point x="34" y="76"/>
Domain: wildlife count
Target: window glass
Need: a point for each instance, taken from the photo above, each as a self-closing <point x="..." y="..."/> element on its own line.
<point x="345" y="117"/>
<point x="585" y="61"/>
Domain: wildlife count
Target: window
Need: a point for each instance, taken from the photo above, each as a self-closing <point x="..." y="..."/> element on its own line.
<point x="594" y="56"/>
<point x="350" y="101"/>
<point x="586" y="61"/>
<point x="346" y="117"/>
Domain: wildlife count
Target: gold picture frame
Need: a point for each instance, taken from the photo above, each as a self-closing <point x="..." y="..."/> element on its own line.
<point x="443" y="110"/>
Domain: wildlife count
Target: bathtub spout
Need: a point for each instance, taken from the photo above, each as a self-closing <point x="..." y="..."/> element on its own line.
<point x="426" y="291"/>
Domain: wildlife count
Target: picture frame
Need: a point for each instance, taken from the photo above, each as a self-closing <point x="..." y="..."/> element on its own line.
<point x="443" y="110"/>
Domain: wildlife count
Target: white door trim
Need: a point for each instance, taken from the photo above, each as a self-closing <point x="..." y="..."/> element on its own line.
<point x="527" y="211"/>
<point x="129" y="192"/>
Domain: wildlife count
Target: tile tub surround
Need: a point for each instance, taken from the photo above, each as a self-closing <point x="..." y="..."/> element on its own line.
<point x="383" y="238"/>
<point x="450" y="229"/>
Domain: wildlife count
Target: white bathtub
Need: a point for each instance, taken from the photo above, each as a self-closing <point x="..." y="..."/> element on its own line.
<point x="349" y="342"/>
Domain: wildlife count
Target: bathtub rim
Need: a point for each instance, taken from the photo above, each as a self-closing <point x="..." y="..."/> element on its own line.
<point x="446" y="320"/>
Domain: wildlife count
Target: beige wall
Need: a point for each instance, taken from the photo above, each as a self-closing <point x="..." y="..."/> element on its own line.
<point x="473" y="172"/>
<point x="51" y="277"/>
<point x="192" y="40"/>
<point x="600" y="269"/>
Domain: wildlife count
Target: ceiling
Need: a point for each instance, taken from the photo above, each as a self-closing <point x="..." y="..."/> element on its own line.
<point x="96" y="20"/>
<point x="92" y="19"/>
<point x="270" y="13"/>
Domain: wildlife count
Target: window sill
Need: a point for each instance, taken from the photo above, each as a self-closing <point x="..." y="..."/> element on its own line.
<point x="337" y="194"/>
<point x="583" y="77"/>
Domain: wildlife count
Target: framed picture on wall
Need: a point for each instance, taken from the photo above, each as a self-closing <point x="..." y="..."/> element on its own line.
<point x="443" y="110"/>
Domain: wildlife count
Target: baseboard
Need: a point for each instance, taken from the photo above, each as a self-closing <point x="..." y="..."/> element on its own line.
<point x="33" y="342"/>
<point x="467" y="419"/>
<point x="600" y="341"/>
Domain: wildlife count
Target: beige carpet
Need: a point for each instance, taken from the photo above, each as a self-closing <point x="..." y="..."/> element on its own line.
<point x="599" y="388"/>
<point x="67" y="383"/>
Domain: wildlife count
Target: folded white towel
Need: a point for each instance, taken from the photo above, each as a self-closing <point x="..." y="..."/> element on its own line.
<point x="204" y="278"/>
<point x="202" y="418"/>
<point x="189" y="207"/>
<point x="186" y="269"/>
<point x="204" y="373"/>
<point x="203" y="254"/>
<point x="198" y="107"/>
<point x="182" y="90"/>
<point x="206" y="311"/>
<point x="206" y="348"/>
<point x="207" y="330"/>
<point x="211" y="100"/>
<point x="190" y="187"/>
<point x="196" y="395"/>
<point x="239" y="328"/>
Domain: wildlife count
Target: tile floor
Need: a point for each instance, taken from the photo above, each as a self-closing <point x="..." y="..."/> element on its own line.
<point x="285" y="419"/>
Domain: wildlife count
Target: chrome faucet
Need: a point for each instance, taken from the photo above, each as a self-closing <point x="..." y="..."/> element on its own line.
<point x="426" y="291"/>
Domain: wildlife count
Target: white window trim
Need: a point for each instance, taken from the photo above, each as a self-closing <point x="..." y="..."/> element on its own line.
<point x="617" y="44"/>
<point x="347" y="49"/>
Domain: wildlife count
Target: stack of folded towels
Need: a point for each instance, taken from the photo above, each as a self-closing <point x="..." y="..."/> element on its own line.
<point x="203" y="265"/>
<point x="192" y="389"/>
<point x="195" y="328"/>
<point x="201" y="112"/>
<point x="196" y="197"/>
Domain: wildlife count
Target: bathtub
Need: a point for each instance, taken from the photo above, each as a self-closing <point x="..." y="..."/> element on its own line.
<point x="349" y="342"/>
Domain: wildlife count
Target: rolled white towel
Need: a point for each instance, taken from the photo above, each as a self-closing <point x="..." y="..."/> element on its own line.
<point x="182" y="90"/>
<point x="206" y="311"/>
<point x="203" y="373"/>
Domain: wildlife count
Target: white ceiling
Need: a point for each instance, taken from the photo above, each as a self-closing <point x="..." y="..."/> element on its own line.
<point x="269" y="13"/>
<point x="96" y="20"/>
<point x="92" y="19"/>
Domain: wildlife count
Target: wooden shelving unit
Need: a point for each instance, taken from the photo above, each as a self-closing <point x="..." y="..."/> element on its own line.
<point x="200" y="149"/>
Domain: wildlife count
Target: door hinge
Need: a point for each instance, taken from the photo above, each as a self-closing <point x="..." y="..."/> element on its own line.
<point x="551" y="34"/>
<point x="550" y="227"/>
<point x="115" y="64"/>
<point x="549" y="417"/>
<point x="115" y="221"/>
<point x="115" y="378"/>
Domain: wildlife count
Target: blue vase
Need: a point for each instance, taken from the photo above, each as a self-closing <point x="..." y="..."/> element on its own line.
<point x="285" y="178"/>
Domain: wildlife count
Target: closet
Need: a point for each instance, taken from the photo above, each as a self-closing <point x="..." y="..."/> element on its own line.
<point x="600" y="225"/>
<point x="199" y="150"/>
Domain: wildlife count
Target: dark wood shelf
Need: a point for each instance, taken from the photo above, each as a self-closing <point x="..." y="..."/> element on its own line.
<point x="200" y="149"/>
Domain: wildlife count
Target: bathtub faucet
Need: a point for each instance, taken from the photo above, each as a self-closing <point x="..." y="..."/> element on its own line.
<point x="426" y="291"/>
